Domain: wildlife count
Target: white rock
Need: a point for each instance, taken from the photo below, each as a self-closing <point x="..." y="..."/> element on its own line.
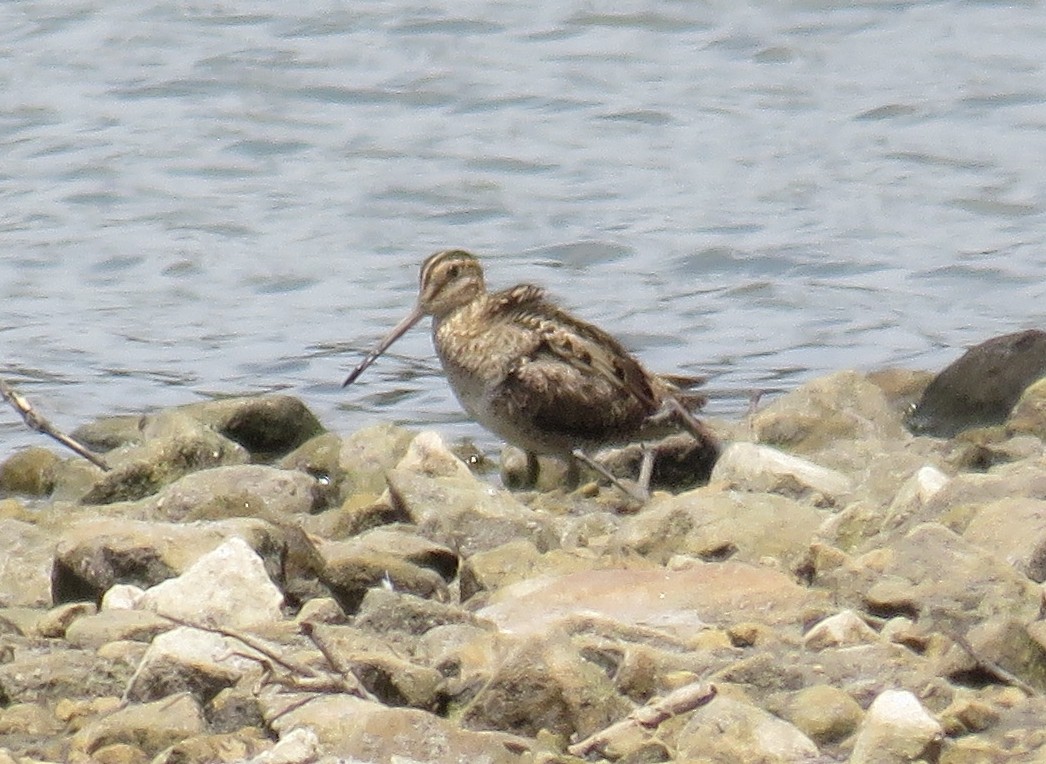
<point x="754" y="467"/>
<point x="227" y="586"/>
<point x="914" y="493"/>
<point x="428" y="455"/>
<point x="839" y="630"/>
<point x="896" y="730"/>
<point x="186" y="658"/>
<point x="123" y="597"/>
<point x="299" y="746"/>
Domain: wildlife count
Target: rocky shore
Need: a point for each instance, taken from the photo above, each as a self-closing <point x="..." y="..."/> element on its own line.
<point x="244" y="585"/>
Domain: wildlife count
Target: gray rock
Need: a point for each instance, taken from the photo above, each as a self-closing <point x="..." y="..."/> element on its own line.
<point x="180" y="445"/>
<point x="982" y="386"/>
<point x="841" y="406"/>
<point x="265" y="425"/>
<point x="839" y="630"/>
<point x="545" y="684"/>
<point x="247" y="490"/>
<point x="25" y="564"/>
<point x="152" y="727"/>
<point x="186" y="660"/>
<point x="1014" y="530"/>
<point x="227" y="586"/>
<point x="385" y="735"/>
<point x="680" y="602"/>
<point x="942" y="578"/>
<point x="824" y="713"/>
<point x="398" y="559"/>
<point x="93" y="631"/>
<point x="716" y="525"/>
<point x="29" y="472"/>
<point x="30" y="678"/>
<point x="897" y="730"/>
<point x="1029" y="414"/>
<point x="731" y="730"/>
<point x="761" y="469"/>
<point x="394" y="680"/>
<point x="95" y="554"/>
<point x="455" y="509"/>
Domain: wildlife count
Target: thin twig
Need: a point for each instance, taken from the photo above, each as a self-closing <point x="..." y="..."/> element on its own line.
<point x="991" y="667"/>
<point x="648" y="717"/>
<point x="36" y="422"/>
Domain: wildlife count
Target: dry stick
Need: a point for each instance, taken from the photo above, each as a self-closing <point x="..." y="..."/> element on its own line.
<point x="318" y="680"/>
<point x="648" y="717"/>
<point x="991" y="667"/>
<point x="36" y="422"/>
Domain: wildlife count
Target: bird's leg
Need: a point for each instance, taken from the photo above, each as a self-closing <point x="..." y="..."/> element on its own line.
<point x="573" y="477"/>
<point x="533" y="468"/>
<point x="690" y="423"/>
<point x="638" y="493"/>
<point x="646" y="467"/>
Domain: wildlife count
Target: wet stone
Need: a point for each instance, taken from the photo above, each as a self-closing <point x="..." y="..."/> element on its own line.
<point x="982" y="386"/>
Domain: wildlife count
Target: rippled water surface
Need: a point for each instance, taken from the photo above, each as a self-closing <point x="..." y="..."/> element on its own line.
<point x="211" y="198"/>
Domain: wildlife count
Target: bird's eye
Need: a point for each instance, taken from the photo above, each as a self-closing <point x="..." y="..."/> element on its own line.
<point x="453" y="271"/>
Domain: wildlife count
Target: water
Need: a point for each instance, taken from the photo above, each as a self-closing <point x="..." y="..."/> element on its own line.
<point x="214" y="198"/>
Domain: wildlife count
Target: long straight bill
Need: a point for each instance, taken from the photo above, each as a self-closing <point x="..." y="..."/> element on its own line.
<point x="397" y="332"/>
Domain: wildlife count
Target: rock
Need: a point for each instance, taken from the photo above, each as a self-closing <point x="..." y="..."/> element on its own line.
<point x="31" y="678"/>
<point x="1014" y="530"/>
<point x="186" y="660"/>
<point x="385" y="612"/>
<point x="896" y="729"/>
<point x="58" y="619"/>
<point x="25" y="564"/>
<point x="109" y="432"/>
<point x="29" y="472"/>
<point x="368" y="454"/>
<point x="299" y="746"/>
<point x="715" y="525"/>
<point x="761" y="469"/>
<point x="227" y="586"/>
<point x="936" y="575"/>
<point x="680" y="602"/>
<point x="1029" y="415"/>
<point x="95" y="554"/>
<point x="397" y="558"/>
<point x="265" y="425"/>
<point x="1006" y="642"/>
<point x="914" y="494"/>
<point x="178" y="447"/>
<point x="544" y="684"/>
<point x="386" y="735"/>
<point x="982" y="386"/>
<point x="151" y="726"/>
<point x="488" y="571"/>
<point x="247" y="490"/>
<point x="452" y="507"/>
<point x="228" y="748"/>
<point x="730" y="730"/>
<point x="841" y="406"/>
<point x="823" y="713"/>
<point x="386" y="675"/>
<point x="839" y="630"/>
<point x="93" y="631"/>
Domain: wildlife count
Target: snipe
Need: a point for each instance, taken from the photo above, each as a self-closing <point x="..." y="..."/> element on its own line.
<point x="535" y="375"/>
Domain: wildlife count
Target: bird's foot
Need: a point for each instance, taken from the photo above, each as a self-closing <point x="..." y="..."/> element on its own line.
<point x="639" y="493"/>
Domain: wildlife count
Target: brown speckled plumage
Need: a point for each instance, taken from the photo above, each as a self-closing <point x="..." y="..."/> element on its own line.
<point x="530" y="372"/>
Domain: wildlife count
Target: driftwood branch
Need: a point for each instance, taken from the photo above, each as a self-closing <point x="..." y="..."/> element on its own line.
<point x="34" y="421"/>
<point x="302" y="676"/>
<point x="647" y="718"/>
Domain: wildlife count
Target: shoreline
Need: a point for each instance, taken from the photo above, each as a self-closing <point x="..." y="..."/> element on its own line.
<point x="245" y="585"/>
